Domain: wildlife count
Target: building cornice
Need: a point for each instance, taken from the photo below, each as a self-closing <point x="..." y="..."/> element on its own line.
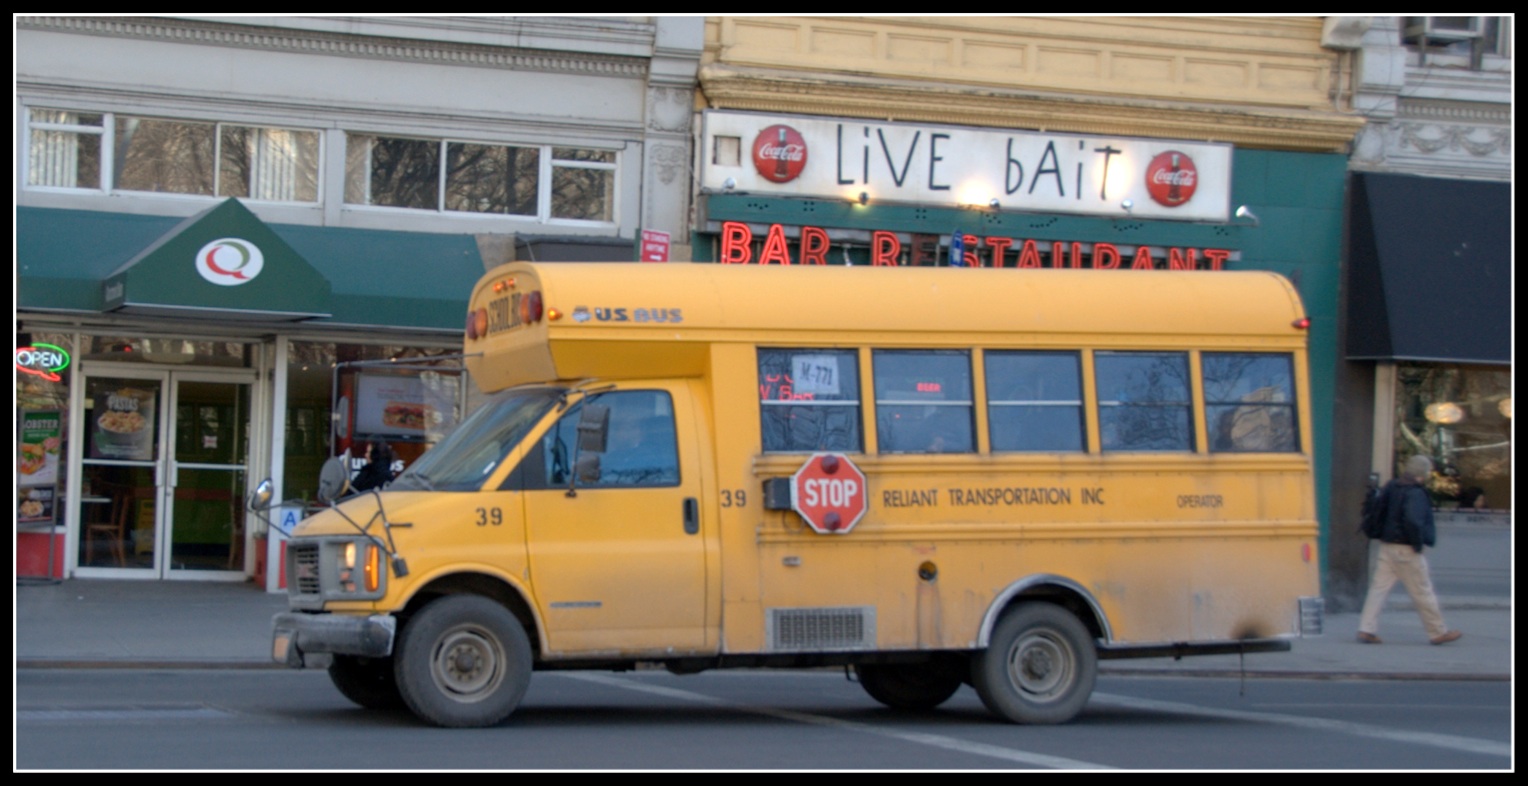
<point x="780" y="92"/>
<point x="184" y="31"/>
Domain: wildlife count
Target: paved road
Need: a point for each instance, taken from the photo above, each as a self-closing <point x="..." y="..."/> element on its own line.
<point x="766" y="720"/>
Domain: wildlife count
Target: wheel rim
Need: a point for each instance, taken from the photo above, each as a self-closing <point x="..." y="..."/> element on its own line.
<point x="1042" y="665"/>
<point x="468" y="663"/>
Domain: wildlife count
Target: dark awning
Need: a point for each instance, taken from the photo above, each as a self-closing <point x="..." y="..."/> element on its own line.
<point x="1430" y="269"/>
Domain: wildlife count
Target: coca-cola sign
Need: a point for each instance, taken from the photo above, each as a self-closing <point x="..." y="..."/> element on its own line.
<point x="1171" y="178"/>
<point x="779" y="153"/>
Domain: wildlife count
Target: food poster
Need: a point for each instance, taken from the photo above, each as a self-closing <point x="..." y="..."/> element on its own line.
<point x="122" y="422"/>
<point x="34" y="503"/>
<point x="40" y="436"/>
<point x="404" y="406"/>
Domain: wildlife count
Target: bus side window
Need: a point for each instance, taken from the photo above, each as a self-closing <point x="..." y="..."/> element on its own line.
<point x="923" y="401"/>
<point x="1034" y="401"/>
<point x="1143" y="401"/>
<point x="1249" y="402"/>
<point x="642" y="450"/>
<point x="809" y="400"/>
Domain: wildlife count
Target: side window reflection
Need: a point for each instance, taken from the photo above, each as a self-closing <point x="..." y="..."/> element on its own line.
<point x="641" y="449"/>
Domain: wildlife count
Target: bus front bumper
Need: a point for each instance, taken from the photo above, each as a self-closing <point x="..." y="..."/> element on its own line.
<point x="311" y="640"/>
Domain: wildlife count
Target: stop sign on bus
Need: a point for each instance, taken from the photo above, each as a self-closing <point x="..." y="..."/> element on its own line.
<point x="829" y="493"/>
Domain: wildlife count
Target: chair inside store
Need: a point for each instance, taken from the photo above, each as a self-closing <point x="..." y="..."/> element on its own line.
<point x="112" y="528"/>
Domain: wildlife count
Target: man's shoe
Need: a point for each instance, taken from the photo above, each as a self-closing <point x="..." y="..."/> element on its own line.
<point x="1447" y="637"/>
<point x="1370" y="638"/>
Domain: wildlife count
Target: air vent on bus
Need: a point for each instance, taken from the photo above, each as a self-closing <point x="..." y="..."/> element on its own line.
<point x="817" y="629"/>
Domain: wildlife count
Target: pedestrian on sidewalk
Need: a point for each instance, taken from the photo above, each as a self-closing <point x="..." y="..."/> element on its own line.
<point x="378" y="471"/>
<point x="1408" y="528"/>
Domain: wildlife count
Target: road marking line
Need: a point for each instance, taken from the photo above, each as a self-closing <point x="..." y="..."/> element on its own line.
<point x="931" y="740"/>
<point x="1448" y="741"/>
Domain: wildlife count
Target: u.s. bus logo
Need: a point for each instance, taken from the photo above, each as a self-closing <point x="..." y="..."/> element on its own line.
<point x="229" y="261"/>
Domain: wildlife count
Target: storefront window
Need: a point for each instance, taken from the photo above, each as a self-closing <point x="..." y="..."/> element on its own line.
<point x="1461" y="418"/>
<point x="42" y="417"/>
<point x="345" y="396"/>
<point x="136" y="349"/>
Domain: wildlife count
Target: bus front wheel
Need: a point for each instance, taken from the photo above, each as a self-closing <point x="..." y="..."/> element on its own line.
<point x="1039" y="666"/>
<point x="369" y="682"/>
<point x="463" y="660"/>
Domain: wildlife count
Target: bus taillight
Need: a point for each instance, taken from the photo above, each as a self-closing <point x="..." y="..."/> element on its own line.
<point x="530" y="308"/>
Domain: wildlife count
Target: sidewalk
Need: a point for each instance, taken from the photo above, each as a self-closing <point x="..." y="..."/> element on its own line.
<point x="176" y="624"/>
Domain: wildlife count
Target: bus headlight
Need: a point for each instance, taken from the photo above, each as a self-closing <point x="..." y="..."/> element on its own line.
<point x="359" y="567"/>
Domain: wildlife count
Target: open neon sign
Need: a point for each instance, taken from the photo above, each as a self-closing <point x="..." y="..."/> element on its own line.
<point x="43" y="360"/>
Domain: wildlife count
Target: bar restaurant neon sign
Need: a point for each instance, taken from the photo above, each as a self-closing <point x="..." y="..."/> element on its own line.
<point x="886" y="250"/>
<point x="43" y="360"/>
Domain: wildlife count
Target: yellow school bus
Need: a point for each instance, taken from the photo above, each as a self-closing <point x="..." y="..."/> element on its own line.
<point x="931" y="477"/>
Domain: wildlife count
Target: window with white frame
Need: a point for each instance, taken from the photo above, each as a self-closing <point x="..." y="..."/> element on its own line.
<point x="1451" y="40"/>
<point x="104" y="151"/>
<point x="542" y="182"/>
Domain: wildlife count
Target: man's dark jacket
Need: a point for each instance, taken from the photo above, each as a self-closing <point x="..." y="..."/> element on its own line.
<point x="1408" y="515"/>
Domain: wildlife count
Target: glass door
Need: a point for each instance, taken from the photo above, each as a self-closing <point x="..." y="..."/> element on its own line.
<point x="163" y="474"/>
<point x="122" y="471"/>
<point x="203" y="521"/>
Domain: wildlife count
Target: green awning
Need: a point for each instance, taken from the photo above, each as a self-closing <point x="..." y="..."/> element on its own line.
<point x="67" y="260"/>
<point x="224" y="260"/>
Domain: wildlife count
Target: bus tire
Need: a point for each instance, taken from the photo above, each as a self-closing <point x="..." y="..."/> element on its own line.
<point x="1039" y="666"/>
<point x="369" y="682"/>
<point x="909" y="686"/>
<point x="463" y="661"/>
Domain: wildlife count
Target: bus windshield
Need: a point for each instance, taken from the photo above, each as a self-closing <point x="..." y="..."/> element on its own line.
<point x="470" y="453"/>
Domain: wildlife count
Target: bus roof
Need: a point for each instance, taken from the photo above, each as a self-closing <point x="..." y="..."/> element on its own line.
<point x="635" y="304"/>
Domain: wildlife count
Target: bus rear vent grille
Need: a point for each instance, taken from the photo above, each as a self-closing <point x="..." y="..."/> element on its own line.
<point x="836" y="628"/>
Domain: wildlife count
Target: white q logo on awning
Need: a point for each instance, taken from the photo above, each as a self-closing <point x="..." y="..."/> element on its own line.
<point x="229" y="262"/>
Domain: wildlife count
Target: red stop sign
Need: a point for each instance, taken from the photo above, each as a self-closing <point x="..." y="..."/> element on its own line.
<point x="829" y="492"/>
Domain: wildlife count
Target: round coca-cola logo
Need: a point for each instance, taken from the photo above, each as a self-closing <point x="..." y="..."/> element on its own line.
<point x="779" y="153"/>
<point x="1171" y="178"/>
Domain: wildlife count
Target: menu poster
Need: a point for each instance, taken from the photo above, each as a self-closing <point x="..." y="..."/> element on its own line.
<point x="403" y="406"/>
<point x="122" y="422"/>
<point x="34" y="504"/>
<point x="41" y="434"/>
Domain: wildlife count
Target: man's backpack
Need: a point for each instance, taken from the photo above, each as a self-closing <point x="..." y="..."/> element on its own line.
<point x="1372" y="521"/>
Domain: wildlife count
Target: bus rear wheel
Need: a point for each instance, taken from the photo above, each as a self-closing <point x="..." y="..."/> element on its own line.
<point x="909" y="686"/>
<point x="462" y="661"/>
<point x="1039" y="666"/>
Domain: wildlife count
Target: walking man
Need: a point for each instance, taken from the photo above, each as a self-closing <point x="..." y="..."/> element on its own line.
<point x="1408" y="527"/>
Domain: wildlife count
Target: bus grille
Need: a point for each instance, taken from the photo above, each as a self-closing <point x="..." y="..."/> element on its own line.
<point x="303" y="575"/>
<point x="837" y="628"/>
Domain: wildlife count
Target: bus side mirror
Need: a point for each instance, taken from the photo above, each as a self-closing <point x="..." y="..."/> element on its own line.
<point x="260" y="498"/>
<point x="333" y="480"/>
<point x="587" y="468"/>
<point x="593" y="428"/>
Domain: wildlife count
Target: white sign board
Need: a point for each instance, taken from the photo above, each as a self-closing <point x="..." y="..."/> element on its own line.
<point x="927" y="164"/>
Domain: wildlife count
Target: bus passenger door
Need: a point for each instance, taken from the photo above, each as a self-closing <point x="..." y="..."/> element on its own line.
<point x="617" y="554"/>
